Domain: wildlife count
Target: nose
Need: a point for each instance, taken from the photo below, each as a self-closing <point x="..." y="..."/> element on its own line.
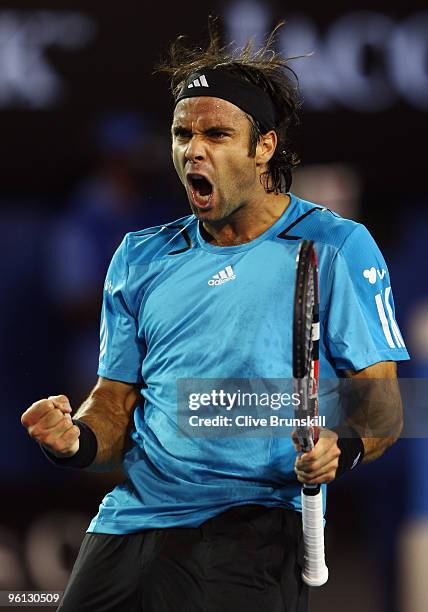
<point x="195" y="150"/>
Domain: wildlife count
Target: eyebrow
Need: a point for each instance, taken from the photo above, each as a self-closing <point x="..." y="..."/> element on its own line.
<point x="216" y="128"/>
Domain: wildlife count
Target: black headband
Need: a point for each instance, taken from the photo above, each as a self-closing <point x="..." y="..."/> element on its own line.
<point x="245" y="95"/>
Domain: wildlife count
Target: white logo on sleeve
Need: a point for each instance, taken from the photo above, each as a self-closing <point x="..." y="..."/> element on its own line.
<point x="391" y="325"/>
<point x="103" y="337"/>
<point x="222" y="277"/>
<point x="370" y="275"/>
<point x="108" y="286"/>
<point x="201" y="81"/>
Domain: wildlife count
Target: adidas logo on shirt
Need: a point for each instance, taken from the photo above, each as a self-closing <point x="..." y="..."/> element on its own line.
<point x="222" y="277"/>
<point x="199" y="82"/>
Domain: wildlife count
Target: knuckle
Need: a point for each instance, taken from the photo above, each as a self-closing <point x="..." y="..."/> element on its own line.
<point x="39" y="404"/>
<point x="48" y="440"/>
<point x="64" y="421"/>
<point x="35" y="412"/>
<point x="34" y="431"/>
<point x="58" y="398"/>
<point x="68" y="434"/>
<point x="56" y="415"/>
<point x="71" y="435"/>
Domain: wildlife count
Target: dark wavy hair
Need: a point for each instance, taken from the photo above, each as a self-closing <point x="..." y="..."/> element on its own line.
<point x="262" y="67"/>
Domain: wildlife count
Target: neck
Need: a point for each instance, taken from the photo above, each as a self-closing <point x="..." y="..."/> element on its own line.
<point x="248" y="222"/>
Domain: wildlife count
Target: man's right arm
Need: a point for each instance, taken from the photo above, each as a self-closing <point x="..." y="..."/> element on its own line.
<point x="107" y="412"/>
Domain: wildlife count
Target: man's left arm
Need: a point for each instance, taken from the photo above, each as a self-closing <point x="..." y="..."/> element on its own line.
<point x="377" y="419"/>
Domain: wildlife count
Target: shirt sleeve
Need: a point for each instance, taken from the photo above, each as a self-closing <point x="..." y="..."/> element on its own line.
<point x="121" y="350"/>
<point x="361" y="326"/>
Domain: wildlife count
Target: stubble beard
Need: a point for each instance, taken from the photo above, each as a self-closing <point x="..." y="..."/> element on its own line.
<point x="220" y="215"/>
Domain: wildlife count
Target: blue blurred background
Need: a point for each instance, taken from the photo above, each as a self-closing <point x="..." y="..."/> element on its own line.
<point x="85" y="157"/>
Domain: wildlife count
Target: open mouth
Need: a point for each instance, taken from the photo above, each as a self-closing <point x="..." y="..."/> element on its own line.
<point x="201" y="189"/>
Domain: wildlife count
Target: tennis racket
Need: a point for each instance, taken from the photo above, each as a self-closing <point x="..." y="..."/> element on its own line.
<point x="305" y="381"/>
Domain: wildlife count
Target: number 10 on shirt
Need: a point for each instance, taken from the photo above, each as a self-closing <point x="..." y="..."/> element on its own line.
<point x="305" y="378"/>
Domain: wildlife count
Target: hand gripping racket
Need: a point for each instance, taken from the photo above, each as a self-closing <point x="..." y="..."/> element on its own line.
<point x="305" y="375"/>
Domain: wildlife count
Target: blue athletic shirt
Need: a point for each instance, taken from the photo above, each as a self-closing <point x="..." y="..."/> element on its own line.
<point x="178" y="307"/>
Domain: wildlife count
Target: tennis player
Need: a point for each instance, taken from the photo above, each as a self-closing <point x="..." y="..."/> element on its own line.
<point x="213" y="524"/>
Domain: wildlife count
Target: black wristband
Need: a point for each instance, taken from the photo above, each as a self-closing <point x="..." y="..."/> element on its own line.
<point x="86" y="454"/>
<point x="351" y="449"/>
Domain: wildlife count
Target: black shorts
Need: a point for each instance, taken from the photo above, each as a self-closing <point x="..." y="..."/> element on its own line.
<point x="248" y="558"/>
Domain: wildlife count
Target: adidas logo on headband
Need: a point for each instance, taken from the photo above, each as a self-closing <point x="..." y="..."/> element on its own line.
<point x="201" y="81"/>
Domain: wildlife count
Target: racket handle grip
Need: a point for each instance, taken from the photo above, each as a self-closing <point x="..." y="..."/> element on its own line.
<point x="315" y="571"/>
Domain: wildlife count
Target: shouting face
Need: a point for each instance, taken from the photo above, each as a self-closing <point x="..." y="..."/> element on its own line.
<point x="210" y="149"/>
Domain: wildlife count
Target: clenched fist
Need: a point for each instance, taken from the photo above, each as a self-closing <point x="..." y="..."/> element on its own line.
<point x="48" y="421"/>
<point x="319" y="465"/>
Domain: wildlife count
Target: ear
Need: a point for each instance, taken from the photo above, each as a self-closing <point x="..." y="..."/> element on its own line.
<point x="266" y="147"/>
